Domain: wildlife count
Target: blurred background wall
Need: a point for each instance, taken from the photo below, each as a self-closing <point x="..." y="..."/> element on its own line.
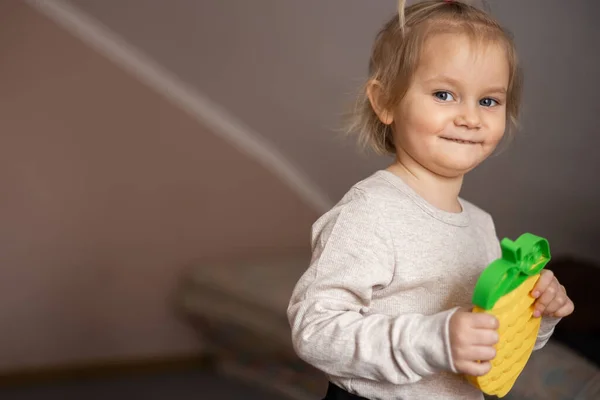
<point x="110" y="187"/>
<point x="109" y="192"/>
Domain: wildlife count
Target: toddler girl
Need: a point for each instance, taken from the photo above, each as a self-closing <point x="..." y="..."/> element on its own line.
<point x="383" y="308"/>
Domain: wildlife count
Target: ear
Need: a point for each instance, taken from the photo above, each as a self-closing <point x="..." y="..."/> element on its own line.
<point x="377" y="100"/>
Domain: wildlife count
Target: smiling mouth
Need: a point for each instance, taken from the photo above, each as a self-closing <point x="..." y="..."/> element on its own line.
<point x="460" y="141"/>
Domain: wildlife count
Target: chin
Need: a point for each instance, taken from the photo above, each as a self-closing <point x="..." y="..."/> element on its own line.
<point x="453" y="170"/>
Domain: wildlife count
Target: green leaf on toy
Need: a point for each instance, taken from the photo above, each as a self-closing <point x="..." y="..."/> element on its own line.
<point x="524" y="257"/>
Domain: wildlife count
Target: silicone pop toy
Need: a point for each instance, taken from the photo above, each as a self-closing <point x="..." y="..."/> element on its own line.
<point x="503" y="290"/>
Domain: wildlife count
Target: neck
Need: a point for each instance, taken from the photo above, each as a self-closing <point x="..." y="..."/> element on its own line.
<point x="438" y="190"/>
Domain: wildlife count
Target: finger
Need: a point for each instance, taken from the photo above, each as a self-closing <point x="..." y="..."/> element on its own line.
<point x="475" y="368"/>
<point x="565" y="310"/>
<point x="485" y="337"/>
<point x="483" y="321"/>
<point x="559" y="301"/>
<point x="482" y="353"/>
<point x="548" y="294"/>
<point x="546" y="278"/>
<point x="545" y="299"/>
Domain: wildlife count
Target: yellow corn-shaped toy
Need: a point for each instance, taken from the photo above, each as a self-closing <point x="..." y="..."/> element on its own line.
<point x="503" y="290"/>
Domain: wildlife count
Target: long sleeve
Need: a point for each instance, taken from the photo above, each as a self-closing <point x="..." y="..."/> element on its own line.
<point x="329" y="312"/>
<point x="546" y="330"/>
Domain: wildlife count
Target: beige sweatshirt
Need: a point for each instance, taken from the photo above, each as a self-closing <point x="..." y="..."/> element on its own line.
<point x="387" y="272"/>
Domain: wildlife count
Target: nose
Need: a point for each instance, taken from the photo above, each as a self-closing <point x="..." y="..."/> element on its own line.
<point x="469" y="117"/>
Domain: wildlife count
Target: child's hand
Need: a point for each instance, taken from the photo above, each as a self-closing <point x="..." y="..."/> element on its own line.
<point x="552" y="299"/>
<point x="472" y="339"/>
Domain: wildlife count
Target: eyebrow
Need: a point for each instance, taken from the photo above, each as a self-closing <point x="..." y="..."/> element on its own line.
<point x="454" y="82"/>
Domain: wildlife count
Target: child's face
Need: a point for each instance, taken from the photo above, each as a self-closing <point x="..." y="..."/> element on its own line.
<point x="454" y="112"/>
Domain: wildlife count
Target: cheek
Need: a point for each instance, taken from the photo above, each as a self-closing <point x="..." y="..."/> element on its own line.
<point x="421" y="120"/>
<point x="498" y="128"/>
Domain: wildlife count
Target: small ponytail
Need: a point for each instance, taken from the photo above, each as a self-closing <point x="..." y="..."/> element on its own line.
<point x="401" y="16"/>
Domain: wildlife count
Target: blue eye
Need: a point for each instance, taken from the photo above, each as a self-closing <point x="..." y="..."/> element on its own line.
<point x="487" y="102"/>
<point x="443" y="96"/>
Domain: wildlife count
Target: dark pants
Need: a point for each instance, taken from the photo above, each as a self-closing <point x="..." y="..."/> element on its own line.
<point x="337" y="393"/>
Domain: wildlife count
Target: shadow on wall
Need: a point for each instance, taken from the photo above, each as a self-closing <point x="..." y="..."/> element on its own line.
<point x="544" y="184"/>
<point x="108" y="191"/>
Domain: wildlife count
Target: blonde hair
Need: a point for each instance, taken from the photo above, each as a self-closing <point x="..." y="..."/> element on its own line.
<point x="395" y="56"/>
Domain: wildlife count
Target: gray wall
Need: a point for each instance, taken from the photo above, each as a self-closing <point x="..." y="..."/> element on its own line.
<point x="109" y="194"/>
<point x="287" y="68"/>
